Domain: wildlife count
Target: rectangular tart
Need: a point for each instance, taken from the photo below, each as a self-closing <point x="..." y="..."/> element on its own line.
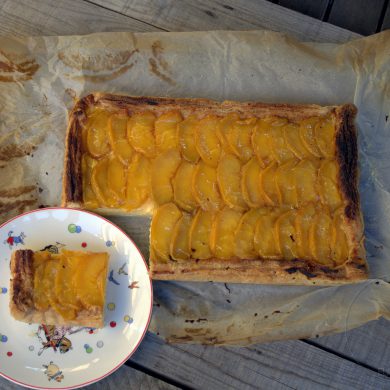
<point x="238" y="191"/>
<point x="67" y="288"/>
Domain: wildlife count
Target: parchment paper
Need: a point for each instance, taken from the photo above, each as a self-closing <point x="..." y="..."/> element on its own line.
<point x="41" y="76"/>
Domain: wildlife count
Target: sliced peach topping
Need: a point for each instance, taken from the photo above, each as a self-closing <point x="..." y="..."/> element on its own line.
<point x="165" y="129"/>
<point x="200" y="235"/>
<point x="229" y="181"/>
<point x="307" y="135"/>
<point x="205" y="187"/>
<point x="222" y="233"/>
<point x="97" y="126"/>
<point x="250" y="183"/>
<point x="140" y="133"/>
<point x="162" y="227"/>
<point x="180" y="243"/>
<point x="206" y="140"/>
<point x="138" y="188"/>
<point x="186" y="138"/>
<point x="182" y="186"/>
<point x="245" y="231"/>
<point x="164" y="168"/>
<point x="117" y="135"/>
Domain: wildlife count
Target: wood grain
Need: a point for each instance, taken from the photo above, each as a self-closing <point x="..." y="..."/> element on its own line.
<point x="189" y="15"/>
<point x="368" y="345"/>
<point x="357" y="15"/>
<point x="62" y="17"/>
<point x="280" y="365"/>
<point x="124" y="378"/>
<point x="315" y="9"/>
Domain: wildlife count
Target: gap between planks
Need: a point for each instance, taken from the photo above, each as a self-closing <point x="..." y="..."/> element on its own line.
<point x="120" y="13"/>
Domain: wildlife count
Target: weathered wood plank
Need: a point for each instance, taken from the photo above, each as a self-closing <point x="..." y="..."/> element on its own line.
<point x="360" y="16"/>
<point x="62" y="17"/>
<point x="124" y="378"/>
<point x="280" y="365"/>
<point x="315" y="9"/>
<point x="229" y="14"/>
<point x="368" y="344"/>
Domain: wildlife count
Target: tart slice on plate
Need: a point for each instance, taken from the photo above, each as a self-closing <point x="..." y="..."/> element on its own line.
<point x="67" y="288"/>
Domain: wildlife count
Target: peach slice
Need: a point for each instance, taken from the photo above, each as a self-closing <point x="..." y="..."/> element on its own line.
<point x="97" y="125"/>
<point x="327" y="180"/>
<point x="306" y="133"/>
<point x="222" y="233"/>
<point x="165" y="130"/>
<point x="200" y="235"/>
<point x="264" y="239"/>
<point x="162" y="227"/>
<point x="87" y="276"/>
<point x="182" y="186"/>
<point x="224" y="128"/>
<point x="294" y="141"/>
<point x="339" y="240"/>
<point x="305" y="173"/>
<point x="89" y="197"/>
<point x="250" y="183"/>
<point x="325" y="136"/>
<point x="229" y="181"/>
<point x="117" y="130"/>
<point x="244" y="243"/>
<point x="138" y="187"/>
<point x="41" y="301"/>
<point x="140" y="133"/>
<point x="239" y="138"/>
<point x="303" y="222"/>
<point x="206" y="140"/>
<point x="205" y="187"/>
<point x="164" y="168"/>
<point x="285" y="233"/>
<point x="319" y="237"/>
<point x="280" y="150"/>
<point x="286" y="184"/>
<point x="99" y="184"/>
<point x="116" y="178"/>
<point x="261" y="142"/>
<point x="186" y="136"/>
<point x="180" y="243"/>
<point x="65" y="283"/>
<point x="267" y="184"/>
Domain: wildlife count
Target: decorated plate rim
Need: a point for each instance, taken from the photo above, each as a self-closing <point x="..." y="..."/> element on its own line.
<point x="150" y="308"/>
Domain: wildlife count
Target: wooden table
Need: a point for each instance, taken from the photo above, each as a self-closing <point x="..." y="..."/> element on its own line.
<point x="358" y="359"/>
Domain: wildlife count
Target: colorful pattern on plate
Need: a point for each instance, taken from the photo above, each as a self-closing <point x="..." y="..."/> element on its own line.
<point x="14" y="240"/>
<point x="53" y="372"/>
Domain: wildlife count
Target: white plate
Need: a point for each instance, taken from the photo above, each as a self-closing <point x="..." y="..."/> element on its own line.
<point x="76" y="356"/>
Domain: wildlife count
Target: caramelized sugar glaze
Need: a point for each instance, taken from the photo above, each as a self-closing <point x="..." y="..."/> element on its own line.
<point x="220" y="186"/>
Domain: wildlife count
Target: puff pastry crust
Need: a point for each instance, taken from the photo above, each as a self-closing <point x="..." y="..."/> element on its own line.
<point x="278" y="269"/>
<point x="23" y="296"/>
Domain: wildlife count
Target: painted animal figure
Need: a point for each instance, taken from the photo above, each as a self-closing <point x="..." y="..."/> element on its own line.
<point x="14" y="240"/>
<point x="53" y="372"/>
<point x="54" y="337"/>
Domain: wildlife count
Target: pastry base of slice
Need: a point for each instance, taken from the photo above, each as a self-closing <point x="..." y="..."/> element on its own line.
<point x="23" y="293"/>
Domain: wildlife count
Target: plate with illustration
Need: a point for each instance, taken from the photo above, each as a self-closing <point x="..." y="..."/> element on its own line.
<point x="64" y="357"/>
